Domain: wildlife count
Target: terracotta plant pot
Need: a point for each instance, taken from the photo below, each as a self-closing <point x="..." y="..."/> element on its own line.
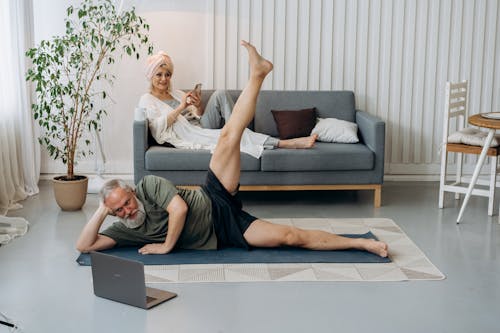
<point x="70" y="194"/>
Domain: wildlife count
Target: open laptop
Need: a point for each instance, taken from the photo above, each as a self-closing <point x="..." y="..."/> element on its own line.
<point x="122" y="280"/>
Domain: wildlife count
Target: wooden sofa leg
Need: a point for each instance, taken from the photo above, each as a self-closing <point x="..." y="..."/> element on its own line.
<point x="377" y="200"/>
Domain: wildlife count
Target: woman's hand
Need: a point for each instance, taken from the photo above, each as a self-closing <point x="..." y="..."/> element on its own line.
<point x="185" y="100"/>
<point x="194" y="99"/>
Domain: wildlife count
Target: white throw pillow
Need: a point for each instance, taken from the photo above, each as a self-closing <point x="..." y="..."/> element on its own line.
<point x="473" y="137"/>
<point x="336" y="130"/>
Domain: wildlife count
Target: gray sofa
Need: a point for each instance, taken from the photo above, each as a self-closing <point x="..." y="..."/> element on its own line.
<point x="327" y="166"/>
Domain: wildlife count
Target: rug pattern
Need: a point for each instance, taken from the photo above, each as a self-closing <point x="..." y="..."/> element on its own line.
<point x="408" y="261"/>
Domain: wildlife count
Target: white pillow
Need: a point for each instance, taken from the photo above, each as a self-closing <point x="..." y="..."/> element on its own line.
<point x="473" y="137"/>
<point x="336" y="130"/>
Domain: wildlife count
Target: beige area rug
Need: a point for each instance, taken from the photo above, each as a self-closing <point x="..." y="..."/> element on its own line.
<point x="408" y="261"/>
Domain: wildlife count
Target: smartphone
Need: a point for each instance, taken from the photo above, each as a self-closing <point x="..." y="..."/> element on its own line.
<point x="196" y="92"/>
<point x="197" y="89"/>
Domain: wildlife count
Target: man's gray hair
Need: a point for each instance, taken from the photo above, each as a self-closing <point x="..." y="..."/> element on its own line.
<point x="111" y="185"/>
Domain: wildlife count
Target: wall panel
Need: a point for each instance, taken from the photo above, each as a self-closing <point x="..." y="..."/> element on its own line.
<point x="395" y="55"/>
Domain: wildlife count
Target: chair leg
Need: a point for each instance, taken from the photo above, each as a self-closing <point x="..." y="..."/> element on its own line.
<point x="442" y="178"/>
<point x="460" y="161"/>
<point x="493" y="183"/>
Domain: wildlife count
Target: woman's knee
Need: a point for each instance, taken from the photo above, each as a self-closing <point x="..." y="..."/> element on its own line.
<point x="219" y="97"/>
<point x="219" y="93"/>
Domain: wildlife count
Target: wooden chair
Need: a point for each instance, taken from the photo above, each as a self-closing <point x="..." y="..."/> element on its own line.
<point x="456" y="108"/>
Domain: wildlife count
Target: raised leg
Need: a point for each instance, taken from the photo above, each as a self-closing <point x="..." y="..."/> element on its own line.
<point x="225" y="162"/>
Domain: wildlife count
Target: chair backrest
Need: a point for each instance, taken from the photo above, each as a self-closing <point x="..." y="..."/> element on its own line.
<point x="456" y="106"/>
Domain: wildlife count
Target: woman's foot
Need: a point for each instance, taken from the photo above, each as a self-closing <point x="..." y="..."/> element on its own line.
<point x="258" y="65"/>
<point x="299" y="143"/>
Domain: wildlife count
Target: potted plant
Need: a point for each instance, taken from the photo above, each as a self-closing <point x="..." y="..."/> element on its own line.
<point x="71" y="75"/>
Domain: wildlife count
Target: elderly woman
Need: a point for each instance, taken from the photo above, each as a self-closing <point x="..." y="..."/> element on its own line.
<point x="168" y="111"/>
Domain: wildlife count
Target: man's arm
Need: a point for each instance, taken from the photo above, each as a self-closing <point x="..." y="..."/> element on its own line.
<point x="89" y="239"/>
<point x="177" y="211"/>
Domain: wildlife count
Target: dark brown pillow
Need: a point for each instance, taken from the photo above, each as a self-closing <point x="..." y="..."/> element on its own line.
<point x="294" y="123"/>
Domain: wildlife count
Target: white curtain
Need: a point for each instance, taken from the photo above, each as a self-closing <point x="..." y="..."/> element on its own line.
<point x="19" y="149"/>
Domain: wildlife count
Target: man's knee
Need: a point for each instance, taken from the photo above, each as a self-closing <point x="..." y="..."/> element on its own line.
<point x="292" y="237"/>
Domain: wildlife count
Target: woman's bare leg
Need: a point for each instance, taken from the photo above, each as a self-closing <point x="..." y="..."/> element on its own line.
<point x="303" y="142"/>
<point x="225" y="162"/>
<point x="266" y="234"/>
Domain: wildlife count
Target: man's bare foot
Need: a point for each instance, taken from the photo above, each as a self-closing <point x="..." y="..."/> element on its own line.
<point x="375" y="246"/>
<point x="258" y="65"/>
<point x="299" y="143"/>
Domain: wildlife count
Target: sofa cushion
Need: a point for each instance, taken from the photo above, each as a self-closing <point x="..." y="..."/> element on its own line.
<point x="323" y="157"/>
<point x="163" y="158"/>
<point x="294" y="123"/>
<point x="328" y="104"/>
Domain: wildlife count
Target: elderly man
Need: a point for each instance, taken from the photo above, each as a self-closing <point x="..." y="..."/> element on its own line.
<point x="159" y="217"/>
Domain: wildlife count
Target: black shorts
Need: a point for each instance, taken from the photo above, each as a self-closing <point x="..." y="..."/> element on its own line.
<point x="230" y="221"/>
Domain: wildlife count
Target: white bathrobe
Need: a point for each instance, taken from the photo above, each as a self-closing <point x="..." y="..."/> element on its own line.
<point x="182" y="134"/>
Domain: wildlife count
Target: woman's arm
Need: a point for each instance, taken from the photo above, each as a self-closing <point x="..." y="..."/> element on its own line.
<point x="172" y="117"/>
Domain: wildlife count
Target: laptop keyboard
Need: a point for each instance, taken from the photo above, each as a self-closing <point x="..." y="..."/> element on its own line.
<point x="150" y="299"/>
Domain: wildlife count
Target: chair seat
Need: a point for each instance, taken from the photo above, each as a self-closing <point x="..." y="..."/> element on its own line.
<point x="469" y="149"/>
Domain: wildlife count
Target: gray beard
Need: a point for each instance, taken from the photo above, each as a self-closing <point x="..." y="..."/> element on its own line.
<point x="139" y="218"/>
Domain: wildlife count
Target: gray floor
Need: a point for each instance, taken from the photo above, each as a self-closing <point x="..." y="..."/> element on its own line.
<point x="44" y="290"/>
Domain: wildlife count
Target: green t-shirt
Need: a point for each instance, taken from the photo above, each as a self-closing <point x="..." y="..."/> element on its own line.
<point x="156" y="193"/>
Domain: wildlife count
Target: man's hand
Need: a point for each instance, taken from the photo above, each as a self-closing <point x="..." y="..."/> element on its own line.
<point x="105" y="209"/>
<point x="157" y="248"/>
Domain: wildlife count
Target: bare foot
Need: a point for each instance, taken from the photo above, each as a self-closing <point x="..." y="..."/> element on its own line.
<point x="258" y="65"/>
<point x="299" y="143"/>
<point x="374" y="246"/>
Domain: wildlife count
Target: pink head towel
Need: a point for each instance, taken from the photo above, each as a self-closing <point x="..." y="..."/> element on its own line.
<point x="155" y="61"/>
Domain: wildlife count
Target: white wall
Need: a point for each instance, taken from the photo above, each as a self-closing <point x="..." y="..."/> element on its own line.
<point x="395" y="54"/>
<point x="177" y="27"/>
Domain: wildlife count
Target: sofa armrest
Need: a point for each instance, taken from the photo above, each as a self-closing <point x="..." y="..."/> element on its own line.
<point x="140" y="143"/>
<point x="372" y="132"/>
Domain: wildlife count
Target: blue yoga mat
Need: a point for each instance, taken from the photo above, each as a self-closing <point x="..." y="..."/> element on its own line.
<point x="242" y="256"/>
